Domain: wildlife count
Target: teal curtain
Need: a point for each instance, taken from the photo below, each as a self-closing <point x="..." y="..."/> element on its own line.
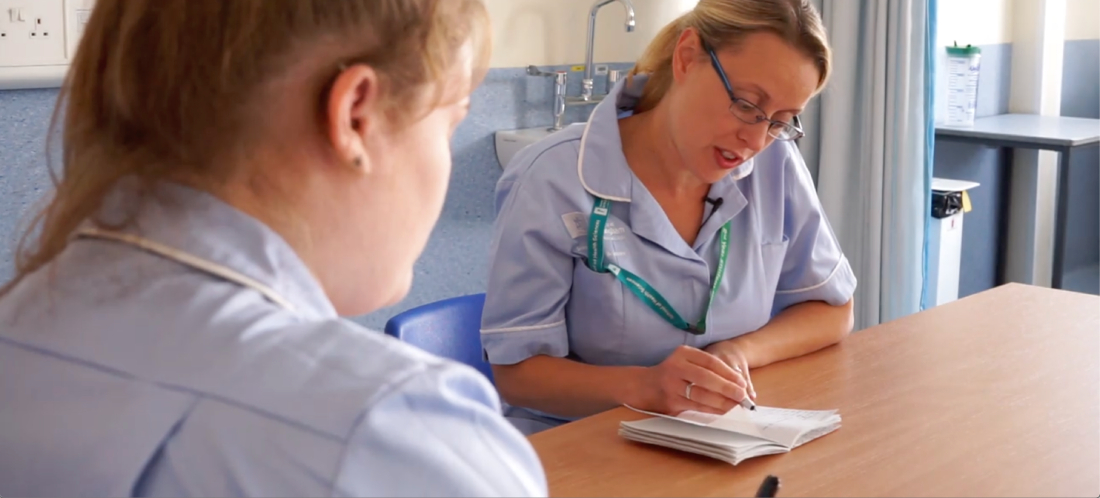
<point x="929" y="133"/>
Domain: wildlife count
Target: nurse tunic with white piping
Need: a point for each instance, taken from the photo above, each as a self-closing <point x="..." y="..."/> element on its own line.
<point x="544" y="299"/>
<point x="192" y="353"/>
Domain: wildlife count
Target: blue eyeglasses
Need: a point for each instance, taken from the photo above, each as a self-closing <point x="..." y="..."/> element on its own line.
<point x="750" y="113"/>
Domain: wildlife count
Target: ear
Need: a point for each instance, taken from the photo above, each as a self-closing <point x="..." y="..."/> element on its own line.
<point x="354" y="113"/>
<point x="688" y="52"/>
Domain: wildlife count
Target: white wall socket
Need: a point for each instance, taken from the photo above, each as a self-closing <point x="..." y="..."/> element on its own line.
<point x="38" y="39"/>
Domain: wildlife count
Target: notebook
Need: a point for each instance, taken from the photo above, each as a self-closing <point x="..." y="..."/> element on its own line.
<point x="738" y="435"/>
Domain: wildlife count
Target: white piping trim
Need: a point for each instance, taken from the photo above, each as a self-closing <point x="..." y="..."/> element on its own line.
<point x="822" y="284"/>
<point x="523" y="329"/>
<point x="580" y="162"/>
<point x="189" y="260"/>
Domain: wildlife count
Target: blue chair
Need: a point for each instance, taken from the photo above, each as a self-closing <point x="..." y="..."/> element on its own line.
<point x="450" y="328"/>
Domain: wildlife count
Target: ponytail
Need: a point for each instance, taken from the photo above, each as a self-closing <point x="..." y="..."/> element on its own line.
<point x="656" y="62"/>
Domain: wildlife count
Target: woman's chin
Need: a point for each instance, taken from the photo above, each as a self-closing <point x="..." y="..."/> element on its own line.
<point x="400" y="290"/>
<point x="712" y="175"/>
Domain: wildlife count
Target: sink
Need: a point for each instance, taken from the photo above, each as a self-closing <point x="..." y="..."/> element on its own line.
<point x="510" y="142"/>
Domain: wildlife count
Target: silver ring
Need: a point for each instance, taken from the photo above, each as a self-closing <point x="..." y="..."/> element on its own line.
<point x="687" y="391"/>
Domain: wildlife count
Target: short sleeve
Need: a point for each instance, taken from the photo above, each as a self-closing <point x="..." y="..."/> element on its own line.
<point x="440" y="433"/>
<point x="530" y="276"/>
<point x="814" y="266"/>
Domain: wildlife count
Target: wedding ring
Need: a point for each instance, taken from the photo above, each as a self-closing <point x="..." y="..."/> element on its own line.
<point x="687" y="391"/>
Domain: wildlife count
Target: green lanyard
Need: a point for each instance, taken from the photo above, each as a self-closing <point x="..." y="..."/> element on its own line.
<point x="596" y="224"/>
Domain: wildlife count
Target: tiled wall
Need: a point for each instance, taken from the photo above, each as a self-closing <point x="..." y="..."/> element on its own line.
<point x="454" y="262"/>
<point x="24" y="179"/>
<point x="1081" y="98"/>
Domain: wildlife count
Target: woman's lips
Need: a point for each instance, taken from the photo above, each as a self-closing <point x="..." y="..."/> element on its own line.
<point x="727" y="159"/>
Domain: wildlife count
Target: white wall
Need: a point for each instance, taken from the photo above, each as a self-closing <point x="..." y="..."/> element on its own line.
<point x="1082" y="19"/>
<point x="553" y="32"/>
<point x="974" y="22"/>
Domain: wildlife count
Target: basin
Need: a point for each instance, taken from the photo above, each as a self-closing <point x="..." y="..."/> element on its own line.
<point x="510" y="142"/>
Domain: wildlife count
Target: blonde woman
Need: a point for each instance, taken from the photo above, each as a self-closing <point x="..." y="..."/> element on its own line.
<point x="237" y="176"/>
<point x="656" y="254"/>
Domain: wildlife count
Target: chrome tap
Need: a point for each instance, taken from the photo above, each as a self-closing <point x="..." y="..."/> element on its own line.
<point x="560" y="80"/>
<point x="586" y="84"/>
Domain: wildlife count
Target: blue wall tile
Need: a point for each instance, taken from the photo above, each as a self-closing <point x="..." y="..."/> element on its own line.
<point x="1081" y="98"/>
<point x="455" y="260"/>
<point x="24" y="179"/>
<point x="1081" y="79"/>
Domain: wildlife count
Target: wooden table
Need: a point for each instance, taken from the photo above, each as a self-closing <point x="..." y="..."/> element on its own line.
<point x="997" y="394"/>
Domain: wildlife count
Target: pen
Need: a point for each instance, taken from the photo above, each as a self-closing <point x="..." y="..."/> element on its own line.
<point x="746" y="403"/>
<point x="769" y="487"/>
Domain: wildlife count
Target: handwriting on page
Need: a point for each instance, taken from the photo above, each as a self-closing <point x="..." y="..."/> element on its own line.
<point x="763" y="417"/>
<point x="766" y="417"/>
<point x="780" y="425"/>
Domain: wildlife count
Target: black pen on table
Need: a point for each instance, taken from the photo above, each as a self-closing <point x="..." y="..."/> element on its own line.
<point x="769" y="487"/>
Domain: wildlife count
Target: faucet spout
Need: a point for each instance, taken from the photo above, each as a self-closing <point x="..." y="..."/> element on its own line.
<point x="586" y="84"/>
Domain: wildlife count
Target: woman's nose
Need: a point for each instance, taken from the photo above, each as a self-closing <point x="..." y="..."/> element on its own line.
<point x="755" y="136"/>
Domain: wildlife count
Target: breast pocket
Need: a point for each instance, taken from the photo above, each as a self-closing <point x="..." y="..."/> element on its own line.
<point x="595" y="315"/>
<point x="772" y="256"/>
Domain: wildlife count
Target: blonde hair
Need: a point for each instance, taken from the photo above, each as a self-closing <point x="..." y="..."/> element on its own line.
<point x="725" y="24"/>
<point x="164" y="87"/>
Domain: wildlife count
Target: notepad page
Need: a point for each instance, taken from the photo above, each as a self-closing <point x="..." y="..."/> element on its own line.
<point x="816" y="433"/>
<point x="727" y="454"/>
<point x="699" y="434"/>
<point x="691" y="417"/>
<point x="780" y="425"/>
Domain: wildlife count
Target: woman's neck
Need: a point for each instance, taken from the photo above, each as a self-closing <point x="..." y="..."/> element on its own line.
<point x="652" y="156"/>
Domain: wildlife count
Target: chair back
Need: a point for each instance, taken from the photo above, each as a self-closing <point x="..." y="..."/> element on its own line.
<point x="450" y="328"/>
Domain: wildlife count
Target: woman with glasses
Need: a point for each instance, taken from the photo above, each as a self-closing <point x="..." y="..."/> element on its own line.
<point x="655" y="254"/>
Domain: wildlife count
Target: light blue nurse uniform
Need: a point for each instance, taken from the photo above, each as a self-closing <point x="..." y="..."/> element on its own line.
<point x="123" y="373"/>
<point x="542" y="299"/>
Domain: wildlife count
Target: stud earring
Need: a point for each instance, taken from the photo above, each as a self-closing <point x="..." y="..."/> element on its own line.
<point x="358" y="161"/>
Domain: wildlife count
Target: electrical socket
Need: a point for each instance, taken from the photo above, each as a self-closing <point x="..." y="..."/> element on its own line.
<point x="39" y="29"/>
<point x="31" y="35"/>
<point x="38" y="39"/>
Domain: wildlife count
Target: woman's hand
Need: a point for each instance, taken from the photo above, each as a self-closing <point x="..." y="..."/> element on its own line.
<point x="733" y="355"/>
<point x="715" y="387"/>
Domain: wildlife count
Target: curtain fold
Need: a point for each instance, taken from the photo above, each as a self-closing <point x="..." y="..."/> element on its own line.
<point x="873" y="155"/>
